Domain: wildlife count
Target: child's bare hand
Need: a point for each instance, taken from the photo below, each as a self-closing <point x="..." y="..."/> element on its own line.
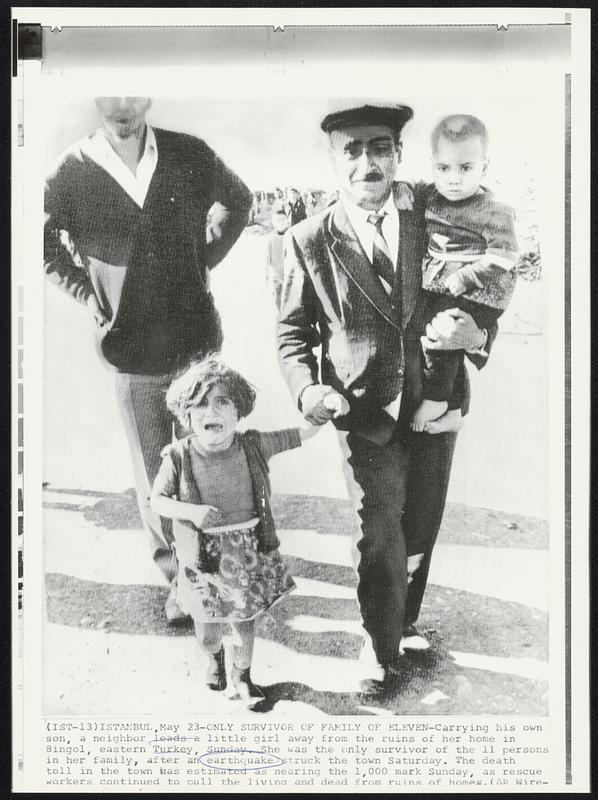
<point x="404" y="197"/>
<point x="455" y="284"/>
<point x="203" y="516"/>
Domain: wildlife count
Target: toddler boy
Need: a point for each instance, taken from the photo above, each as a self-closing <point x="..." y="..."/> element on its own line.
<point x="472" y="250"/>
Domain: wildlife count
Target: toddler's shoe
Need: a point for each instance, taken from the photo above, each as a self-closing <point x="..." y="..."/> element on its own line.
<point x="245" y="688"/>
<point x="174" y="613"/>
<point x="216" y="671"/>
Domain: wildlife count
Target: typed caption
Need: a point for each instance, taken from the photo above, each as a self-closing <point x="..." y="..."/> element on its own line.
<point x="373" y="755"/>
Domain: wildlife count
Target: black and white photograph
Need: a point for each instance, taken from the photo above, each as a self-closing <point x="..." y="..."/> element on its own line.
<point x="302" y="448"/>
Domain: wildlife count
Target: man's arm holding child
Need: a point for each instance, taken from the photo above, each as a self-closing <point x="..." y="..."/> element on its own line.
<point x="455" y="329"/>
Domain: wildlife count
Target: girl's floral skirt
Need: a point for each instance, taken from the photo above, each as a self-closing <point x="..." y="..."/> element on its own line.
<point x="222" y="575"/>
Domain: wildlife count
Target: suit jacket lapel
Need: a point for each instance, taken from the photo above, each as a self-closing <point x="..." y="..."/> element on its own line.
<point x="410" y="268"/>
<point x="346" y="247"/>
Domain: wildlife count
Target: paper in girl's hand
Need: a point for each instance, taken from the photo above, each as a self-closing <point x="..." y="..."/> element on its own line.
<point x="204" y="516"/>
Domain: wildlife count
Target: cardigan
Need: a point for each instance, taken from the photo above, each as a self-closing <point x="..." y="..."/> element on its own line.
<point x="459" y="232"/>
<point x="148" y="267"/>
<point x="176" y="477"/>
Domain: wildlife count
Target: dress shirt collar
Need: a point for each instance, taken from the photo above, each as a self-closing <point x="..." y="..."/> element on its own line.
<point x="365" y="231"/>
<point x="359" y="216"/>
<point x="98" y="148"/>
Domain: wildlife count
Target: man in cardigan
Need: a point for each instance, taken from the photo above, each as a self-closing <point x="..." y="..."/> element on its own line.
<point x="135" y="219"/>
<point x="352" y="276"/>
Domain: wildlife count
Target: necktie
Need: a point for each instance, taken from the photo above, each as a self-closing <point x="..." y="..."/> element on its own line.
<point x="381" y="260"/>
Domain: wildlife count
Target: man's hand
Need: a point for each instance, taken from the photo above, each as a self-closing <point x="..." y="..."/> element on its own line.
<point x="320" y="403"/>
<point x="336" y="403"/>
<point x="453" y="330"/>
<point x="96" y="310"/>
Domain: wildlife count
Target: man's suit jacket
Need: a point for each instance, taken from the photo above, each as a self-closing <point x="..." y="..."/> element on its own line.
<point x="296" y="211"/>
<point x="370" y="348"/>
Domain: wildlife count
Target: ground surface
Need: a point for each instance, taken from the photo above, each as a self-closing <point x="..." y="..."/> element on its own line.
<point x="107" y="649"/>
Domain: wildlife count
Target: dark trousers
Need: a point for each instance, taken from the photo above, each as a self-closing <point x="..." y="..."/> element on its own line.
<point x="149" y="428"/>
<point x="440" y="367"/>
<point x="430" y="460"/>
<point x="376" y="482"/>
<point x="398" y="492"/>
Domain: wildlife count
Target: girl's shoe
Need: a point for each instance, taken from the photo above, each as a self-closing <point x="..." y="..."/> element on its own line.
<point x="249" y="693"/>
<point x="173" y="611"/>
<point x="216" y="671"/>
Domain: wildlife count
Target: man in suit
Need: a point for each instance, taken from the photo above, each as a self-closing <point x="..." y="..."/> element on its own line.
<point x="136" y="217"/>
<point x="295" y="206"/>
<point x="352" y="278"/>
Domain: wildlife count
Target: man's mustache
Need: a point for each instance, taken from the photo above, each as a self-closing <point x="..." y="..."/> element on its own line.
<point x="371" y="177"/>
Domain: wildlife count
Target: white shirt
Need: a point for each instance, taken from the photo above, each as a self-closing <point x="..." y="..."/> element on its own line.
<point x="98" y="148"/>
<point x="365" y="231"/>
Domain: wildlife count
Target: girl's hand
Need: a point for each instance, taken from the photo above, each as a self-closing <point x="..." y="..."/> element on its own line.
<point x="203" y="516"/>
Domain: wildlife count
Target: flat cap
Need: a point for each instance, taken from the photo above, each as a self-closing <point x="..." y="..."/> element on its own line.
<point x="393" y="116"/>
